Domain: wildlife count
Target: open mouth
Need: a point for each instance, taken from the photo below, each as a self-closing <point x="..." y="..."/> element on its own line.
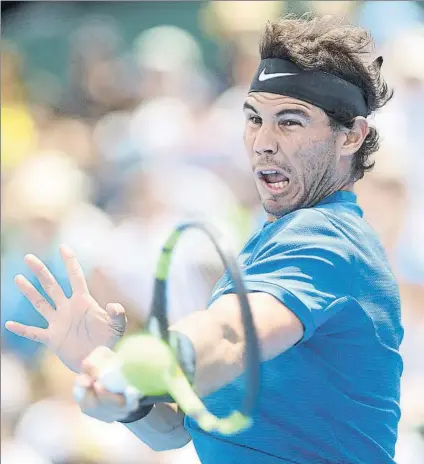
<point x="273" y="180"/>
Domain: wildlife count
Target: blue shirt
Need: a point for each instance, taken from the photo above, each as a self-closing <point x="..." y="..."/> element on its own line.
<point x="334" y="396"/>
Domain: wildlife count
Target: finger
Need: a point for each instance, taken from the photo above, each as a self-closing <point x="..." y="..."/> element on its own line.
<point x="84" y="380"/>
<point x="74" y="270"/>
<point x="117" y="316"/>
<point x="91" y="405"/>
<point x="97" y="360"/>
<point x="32" y="333"/>
<point x="108" y="398"/>
<point x="82" y="383"/>
<point x="47" y="281"/>
<point x="34" y="297"/>
<point x="89" y="400"/>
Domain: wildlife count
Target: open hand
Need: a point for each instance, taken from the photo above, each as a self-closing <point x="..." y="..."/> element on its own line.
<point x="79" y="324"/>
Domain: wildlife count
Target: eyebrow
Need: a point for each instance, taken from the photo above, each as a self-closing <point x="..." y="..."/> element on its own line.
<point x="285" y="112"/>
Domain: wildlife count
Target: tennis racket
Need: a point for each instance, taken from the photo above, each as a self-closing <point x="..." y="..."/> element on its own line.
<point x="162" y="379"/>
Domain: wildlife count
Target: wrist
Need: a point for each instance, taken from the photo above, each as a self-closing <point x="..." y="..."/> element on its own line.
<point x="137" y="414"/>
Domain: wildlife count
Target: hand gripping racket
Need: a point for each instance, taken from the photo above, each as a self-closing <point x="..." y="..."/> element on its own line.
<point x="148" y="360"/>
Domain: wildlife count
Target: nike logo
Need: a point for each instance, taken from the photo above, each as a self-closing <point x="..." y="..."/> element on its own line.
<point x="265" y="77"/>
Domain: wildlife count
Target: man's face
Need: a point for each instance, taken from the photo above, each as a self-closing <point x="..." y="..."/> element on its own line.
<point x="294" y="152"/>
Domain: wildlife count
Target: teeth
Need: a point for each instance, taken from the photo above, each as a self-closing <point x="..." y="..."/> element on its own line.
<point x="269" y="172"/>
<point x="277" y="185"/>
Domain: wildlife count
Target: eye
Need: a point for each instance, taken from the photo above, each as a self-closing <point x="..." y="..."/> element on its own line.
<point x="290" y="123"/>
<point x="254" y="119"/>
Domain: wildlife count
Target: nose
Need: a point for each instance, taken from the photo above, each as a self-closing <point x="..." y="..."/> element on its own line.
<point x="265" y="142"/>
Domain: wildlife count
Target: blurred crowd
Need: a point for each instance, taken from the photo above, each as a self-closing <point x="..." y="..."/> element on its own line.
<point x="141" y="135"/>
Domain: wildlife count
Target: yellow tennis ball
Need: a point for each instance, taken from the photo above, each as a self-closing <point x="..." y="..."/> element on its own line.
<point x="146" y="363"/>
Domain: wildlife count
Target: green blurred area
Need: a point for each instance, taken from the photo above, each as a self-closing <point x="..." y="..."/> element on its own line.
<point x="44" y="32"/>
<point x="44" y="35"/>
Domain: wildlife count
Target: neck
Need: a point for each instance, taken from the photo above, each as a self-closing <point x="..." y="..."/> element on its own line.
<point x="349" y="187"/>
<point x="346" y="188"/>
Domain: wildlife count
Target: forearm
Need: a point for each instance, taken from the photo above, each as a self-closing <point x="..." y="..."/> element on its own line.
<point x="217" y="337"/>
<point x="218" y="350"/>
<point x="162" y="429"/>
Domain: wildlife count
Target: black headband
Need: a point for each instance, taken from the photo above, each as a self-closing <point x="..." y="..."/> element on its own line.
<point x="337" y="97"/>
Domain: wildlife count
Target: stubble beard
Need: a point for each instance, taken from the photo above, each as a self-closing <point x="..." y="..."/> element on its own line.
<point x="318" y="180"/>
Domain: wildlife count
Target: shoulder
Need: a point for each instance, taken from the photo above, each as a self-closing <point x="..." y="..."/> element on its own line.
<point x="305" y="237"/>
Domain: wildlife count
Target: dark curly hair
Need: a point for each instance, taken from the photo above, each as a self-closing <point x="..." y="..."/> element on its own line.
<point x="328" y="44"/>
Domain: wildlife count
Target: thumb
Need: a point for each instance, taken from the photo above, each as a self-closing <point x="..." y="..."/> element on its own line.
<point x="117" y="315"/>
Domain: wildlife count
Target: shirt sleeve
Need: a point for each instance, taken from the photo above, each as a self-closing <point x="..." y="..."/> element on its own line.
<point x="307" y="267"/>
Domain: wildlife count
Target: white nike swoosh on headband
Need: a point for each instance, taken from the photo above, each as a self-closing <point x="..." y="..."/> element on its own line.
<point x="265" y="77"/>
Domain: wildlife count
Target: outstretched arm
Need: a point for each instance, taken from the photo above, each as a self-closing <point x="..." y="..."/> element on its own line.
<point x="218" y="339"/>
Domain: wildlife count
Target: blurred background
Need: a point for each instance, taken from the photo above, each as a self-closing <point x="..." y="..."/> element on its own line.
<point x="119" y="120"/>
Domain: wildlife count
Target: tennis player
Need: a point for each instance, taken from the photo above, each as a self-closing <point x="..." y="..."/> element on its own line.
<point x="325" y="302"/>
